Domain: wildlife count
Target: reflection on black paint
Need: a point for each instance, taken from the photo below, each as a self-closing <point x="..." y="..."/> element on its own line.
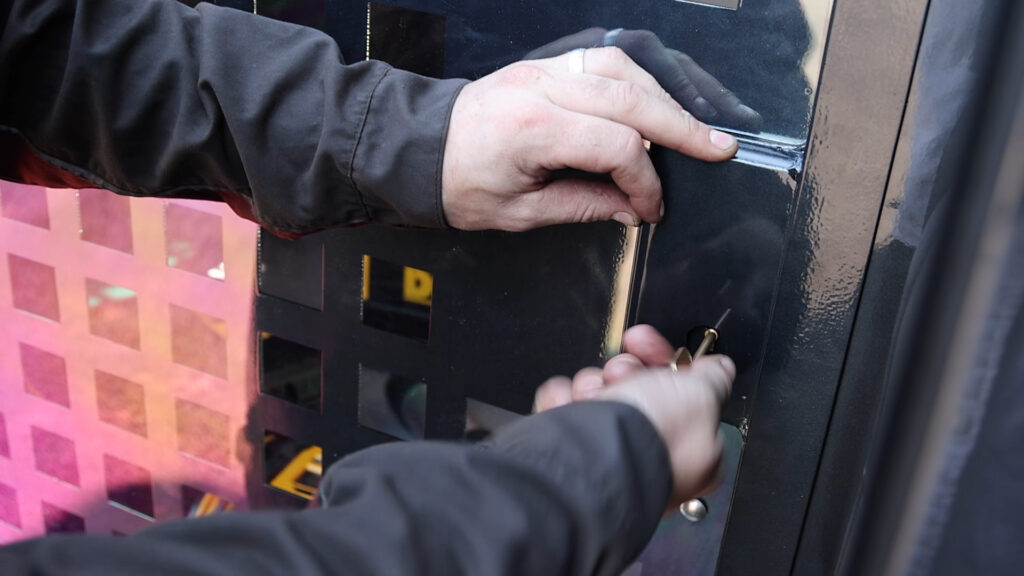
<point x="407" y="39"/>
<point x="292" y="270"/>
<point x="306" y="12"/>
<point x="290" y="371"/>
<point x="392" y="404"/>
<point x="396" y="298"/>
<point x="482" y="419"/>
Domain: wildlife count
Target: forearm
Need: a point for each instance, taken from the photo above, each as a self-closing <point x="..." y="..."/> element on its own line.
<point x="149" y="97"/>
<point x="574" y="491"/>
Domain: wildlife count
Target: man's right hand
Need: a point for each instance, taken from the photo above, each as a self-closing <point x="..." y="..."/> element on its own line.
<point x="511" y="132"/>
<point x="683" y="406"/>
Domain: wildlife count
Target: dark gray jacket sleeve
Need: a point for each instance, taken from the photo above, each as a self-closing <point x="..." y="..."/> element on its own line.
<point x="151" y="97"/>
<point x="577" y="490"/>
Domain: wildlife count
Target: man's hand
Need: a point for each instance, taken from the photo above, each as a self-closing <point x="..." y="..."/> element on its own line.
<point x="683" y="406"/>
<point x="511" y="131"/>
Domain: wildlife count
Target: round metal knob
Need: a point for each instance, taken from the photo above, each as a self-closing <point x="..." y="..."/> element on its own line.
<point x="693" y="510"/>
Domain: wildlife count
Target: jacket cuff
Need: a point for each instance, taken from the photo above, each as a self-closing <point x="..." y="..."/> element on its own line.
<point x="398" y="160"/>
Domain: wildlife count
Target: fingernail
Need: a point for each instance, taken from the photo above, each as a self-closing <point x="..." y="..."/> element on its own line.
<point x="747" y="110"/>
<point x="722" y="140"/>
<point x="728" y="365"/>
<point x="625" y="218"/>
<point x="661" y="213"/>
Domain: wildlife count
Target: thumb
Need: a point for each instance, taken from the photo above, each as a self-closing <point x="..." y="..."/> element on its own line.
<point x="573" y="200"/>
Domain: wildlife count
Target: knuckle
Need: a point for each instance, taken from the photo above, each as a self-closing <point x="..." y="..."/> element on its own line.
<point x="527" y="118"/>
<point x="616" y="55"/>
<point x="691" y="126"/>
<point x="628" y="97"/>
<point x="633" y="142"/>
<point x="521" y="74"/>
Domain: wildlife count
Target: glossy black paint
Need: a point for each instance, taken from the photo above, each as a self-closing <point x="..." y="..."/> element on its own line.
<point x="864" y="85"/>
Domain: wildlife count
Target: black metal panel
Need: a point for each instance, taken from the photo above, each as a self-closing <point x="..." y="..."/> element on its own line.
<point x="785" y="252"/>
<point x="863" y="90"/>
<point x="719" y="248"/>
<point x="936" y="101"/>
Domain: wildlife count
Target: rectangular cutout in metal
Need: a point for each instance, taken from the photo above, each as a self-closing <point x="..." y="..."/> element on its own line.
<point x="397" y="298"/>
<point x="194" y="240"/>
<point x="106" y="219"/>
<point x="129" y="487"/>
<point x="113" y="312"/>
<point x="196" y="503"/>
<point x="290" y="371"/>
<point x="727" y="4"/>
<point x="34" y="287"/>
<point x="291" y="270"/>
<point x="408" y="39"/>
<point x="392" y="404"/>
<point x="292" y="466"/>
<point x="56" y="520"/>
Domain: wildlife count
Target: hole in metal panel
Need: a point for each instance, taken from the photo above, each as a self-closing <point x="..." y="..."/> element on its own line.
<point x="25" y="204"/>
<point x="306" y="12"/>
<point x="113" y="312"/>
<point x="128" y="486"/>
<point x="482" y="419"/>
<point x="121" y="403"/>
<point x="34" y="287"/>
<point x="291" y="270"/>
<point x="199" y="341"/>
<point x="407" y="39"/>
<point x="195" y="241"/>
<point x="196" y="503"/>
<point x="55" y="455"/>
<point x="290" y="371"/>
<point x="292" y="466"/>
<point x="60" y="521"/>
<point x="397" y="298"/>
<point x="203" y="432"/>
<point x="106" y="219"/>
<point x="5" y="447"/>
<point x="392" y="404"/>
<point x="45" y="374"/>
<point x="9" y="506"/>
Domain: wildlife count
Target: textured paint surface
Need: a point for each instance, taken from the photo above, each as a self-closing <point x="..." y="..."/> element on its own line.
<point x="102" y="415"/>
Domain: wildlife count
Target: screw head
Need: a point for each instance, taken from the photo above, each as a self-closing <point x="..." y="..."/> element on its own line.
<point x="694" y="510"/>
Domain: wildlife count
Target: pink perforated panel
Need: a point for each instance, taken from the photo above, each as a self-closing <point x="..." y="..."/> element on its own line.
<point x="126" y="366"/>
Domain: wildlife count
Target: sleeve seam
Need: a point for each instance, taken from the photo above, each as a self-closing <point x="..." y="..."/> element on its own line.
<point x="359" y="140"/>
